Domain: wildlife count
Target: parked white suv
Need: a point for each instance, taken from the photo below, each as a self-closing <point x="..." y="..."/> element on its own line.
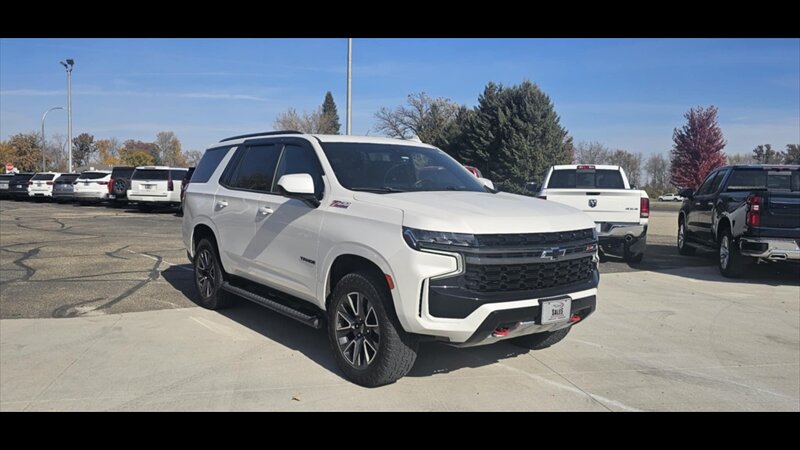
<point x="91" y="186"/>
<point x="41" y="185"/>
<point x="156" y="186"/>
<point x="387" y="241"/>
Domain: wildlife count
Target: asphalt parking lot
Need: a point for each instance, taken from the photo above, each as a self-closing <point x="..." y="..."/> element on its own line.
<point x="96" y="313"/>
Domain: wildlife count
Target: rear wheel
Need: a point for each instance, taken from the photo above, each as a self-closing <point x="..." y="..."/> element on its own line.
<point x="683" y="248"/>
<point x="208" y="277"/>
<point x="540" y="341"/>
<point x="368" y="343"/>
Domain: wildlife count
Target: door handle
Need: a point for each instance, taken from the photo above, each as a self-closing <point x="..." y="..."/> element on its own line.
<point x="221" y="204"/>
<point x="265" y="211"/>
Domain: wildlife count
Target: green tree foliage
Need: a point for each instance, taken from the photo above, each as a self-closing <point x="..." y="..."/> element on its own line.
<point x="515" y="135"/>
<point x="792" y="154"/>
<point x="765" y="154"/>
<point x="330" y="116"/>
<point x="697" y="147"/>
<point x="25" y="151"/>
<point x="135" y="157"/>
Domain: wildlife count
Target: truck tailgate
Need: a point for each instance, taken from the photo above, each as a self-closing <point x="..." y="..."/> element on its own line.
<point x="782" y="210"/>
<point x="610" y="205"/>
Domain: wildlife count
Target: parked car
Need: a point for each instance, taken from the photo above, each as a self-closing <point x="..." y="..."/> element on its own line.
<point x="41" y="185"/>
<point x="5" y="180"/>
<point x="670" y="198"/>
<point x="18" y="187"/>
<point x="63" y="190"/>
<point x="620" y="213"/>
<point x="119" y="184"/>
<point x="343" y="231"/>
<point x="153" y="186"/>
<point x="746" y="213"/>
<point x="91" y="186"/>
<point x="185" y="183"/>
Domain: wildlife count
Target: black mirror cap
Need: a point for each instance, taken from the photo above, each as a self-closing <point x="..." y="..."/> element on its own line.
<point x="532" y="187"/>
<point x="686" y="193"/>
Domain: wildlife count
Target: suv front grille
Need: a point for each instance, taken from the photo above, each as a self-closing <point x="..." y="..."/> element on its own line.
<point x="533" y="239"/>
<point x="522" y="277"/>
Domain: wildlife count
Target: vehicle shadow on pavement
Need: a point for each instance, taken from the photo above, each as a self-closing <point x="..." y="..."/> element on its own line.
<point x="433" y="358"/>
<point x="702" y="266"/>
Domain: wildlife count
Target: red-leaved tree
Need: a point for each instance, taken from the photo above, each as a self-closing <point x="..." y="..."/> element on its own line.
<point x="697" y="147"/>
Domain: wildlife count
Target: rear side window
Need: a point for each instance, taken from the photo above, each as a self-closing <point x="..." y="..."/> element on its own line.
<point x="573" y="178"/>
<point x="43" y="176"/>
<point x="150" y="174"/>
<point x="256" y="168"/>
<point x="208" y="164"/>
<point x="66" y="179"/>
<point x="711" y="185"/>
<point x="93" y="175"/>
<point x="299" y="159"/>
<point x="178" y="174"/>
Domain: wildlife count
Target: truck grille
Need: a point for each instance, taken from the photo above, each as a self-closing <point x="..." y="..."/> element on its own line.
<point x="522" y="277"/>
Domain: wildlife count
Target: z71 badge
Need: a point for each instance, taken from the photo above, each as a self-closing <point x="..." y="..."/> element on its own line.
<point x="340" y="204"/>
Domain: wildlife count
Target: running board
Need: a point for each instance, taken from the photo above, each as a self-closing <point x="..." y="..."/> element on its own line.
<point x="312" y="321"/>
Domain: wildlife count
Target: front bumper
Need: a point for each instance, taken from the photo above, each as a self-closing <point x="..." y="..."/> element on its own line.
<point x="772" y="249"/>
<point x="616" y="237"/>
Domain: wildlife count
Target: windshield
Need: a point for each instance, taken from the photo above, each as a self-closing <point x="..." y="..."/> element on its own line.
<point x="397" y="168"/>
<point x="590" y="178"/>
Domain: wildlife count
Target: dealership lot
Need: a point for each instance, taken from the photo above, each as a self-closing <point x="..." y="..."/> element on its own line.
<point x="96" y="313"/>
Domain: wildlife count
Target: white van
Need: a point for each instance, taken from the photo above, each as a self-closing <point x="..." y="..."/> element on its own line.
<point x="153" y="186"/>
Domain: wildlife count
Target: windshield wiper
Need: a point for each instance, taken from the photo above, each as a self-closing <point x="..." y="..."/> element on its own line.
<point x="377" y="190"/>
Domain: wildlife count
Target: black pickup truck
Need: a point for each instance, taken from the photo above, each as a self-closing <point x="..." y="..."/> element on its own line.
<point x="748" y="213"/>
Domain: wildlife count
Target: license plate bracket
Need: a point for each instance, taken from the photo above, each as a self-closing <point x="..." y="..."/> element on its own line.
<point x="554" y="310"/>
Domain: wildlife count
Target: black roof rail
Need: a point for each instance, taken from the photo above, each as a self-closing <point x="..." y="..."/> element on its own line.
<point x="265" y="133"/>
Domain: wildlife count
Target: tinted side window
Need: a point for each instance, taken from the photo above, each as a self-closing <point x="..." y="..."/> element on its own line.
<point x="717" y="181"/>
<point x="300" y="159"/>
<point x="256" y="168"/>
<point x="208" y="164"/>
<point x="705" y="187"/>
<point x="121" y="172"/>
<point x="177" y="175"/>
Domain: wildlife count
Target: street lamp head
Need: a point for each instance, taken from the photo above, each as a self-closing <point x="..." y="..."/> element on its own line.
<point x="71" y="62"/>
<point x="68" y="65"/>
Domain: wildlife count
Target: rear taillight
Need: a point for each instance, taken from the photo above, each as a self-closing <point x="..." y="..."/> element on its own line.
<point x="644" y="207"/>
<point x="111" y="186"/>
<point x="753" y="218"/>
<point x="585" y="167"/>
<point x="170" y="186"/>
<point x="102" y="182"/>
<point x="49" y="183"/>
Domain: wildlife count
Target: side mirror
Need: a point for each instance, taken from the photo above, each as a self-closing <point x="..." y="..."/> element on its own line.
<point x="487" y="183"/>
<point x="299" y="186"/>
<point x="687" y="193"/>
<point x="532" y="187"/>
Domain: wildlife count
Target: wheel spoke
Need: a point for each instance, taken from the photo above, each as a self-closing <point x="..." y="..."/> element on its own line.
<point x="353" y="300"/>
<point x="371" y="319"/>
<point x="369" y="350"/>
<point x="357" y="355"/>
<point x="343" y="316"/>
<point x="348" y="351"/>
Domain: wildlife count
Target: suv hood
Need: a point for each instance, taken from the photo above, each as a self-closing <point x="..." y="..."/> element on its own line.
<point x="479" y="212"/>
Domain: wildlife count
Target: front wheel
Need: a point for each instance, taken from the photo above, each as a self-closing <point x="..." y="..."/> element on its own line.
<point x="368" y="343"/>
<point x="683" y="248"/>
<point x="541" y="341"/>
<point x="731" y="260"/>
<point x="208" y="276"/>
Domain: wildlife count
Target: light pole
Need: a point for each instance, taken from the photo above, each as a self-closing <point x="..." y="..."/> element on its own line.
<point x="349" y="84"/>
<point x="68" y="66"/>
<point x="44" y="142"/>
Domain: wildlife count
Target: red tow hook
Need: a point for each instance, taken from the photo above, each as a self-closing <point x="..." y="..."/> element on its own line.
<point x="575" y="318"/>
<point x="500" y="332"/>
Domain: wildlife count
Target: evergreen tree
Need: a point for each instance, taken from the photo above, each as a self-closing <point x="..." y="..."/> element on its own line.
<point x="330" y="117"/>
<point x="514" y="135"/>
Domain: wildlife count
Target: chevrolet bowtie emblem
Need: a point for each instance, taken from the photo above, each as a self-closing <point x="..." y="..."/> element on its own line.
<point x="553" y="253"/>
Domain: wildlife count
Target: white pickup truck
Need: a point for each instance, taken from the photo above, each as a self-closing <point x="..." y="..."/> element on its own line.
<point x="603" y="192"/>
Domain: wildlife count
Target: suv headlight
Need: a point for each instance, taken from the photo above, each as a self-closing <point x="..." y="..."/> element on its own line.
<point x="418" y="239"/>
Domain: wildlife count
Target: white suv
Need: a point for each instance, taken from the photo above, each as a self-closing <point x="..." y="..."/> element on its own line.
<point x="91" y="186"/>
<point x="386" y="241"/>
<point x="156" y="186"/>
<point x="41" y="185"/>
